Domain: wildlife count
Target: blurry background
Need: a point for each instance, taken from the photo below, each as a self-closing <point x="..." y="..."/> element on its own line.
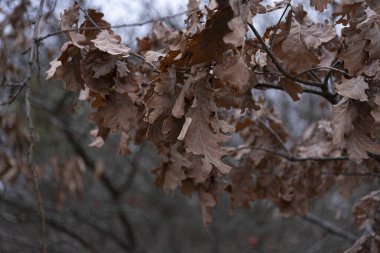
<point x="96" y="200"/>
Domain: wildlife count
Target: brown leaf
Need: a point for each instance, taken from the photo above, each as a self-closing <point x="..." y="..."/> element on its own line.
<point x="69" y="20"/>
<point x="208" y="45"/>
<point x="354" y="54"/>
<point x="235" y="72"/>
<point x="376" y="112"/>
<point x="118" y="113"/>
<point x="161" y="96"/>
<point x="359" y="144"/>
<point x="353" y="88"/>
<point x="97" y="71"/>
<point x="292" y="88"/>
<point x="290" y="48"/>
<point x="207" y="202"/>
<point x="320" y="5"/>
<point x="366" y="209"/>
<point x="201" y="139"/>
<point x="110" y="43"/>
<point x="370" y="29"/>
<point x="175" y="169"/>
<point x="70" y="17"/>
<point x="343" y="116"/>
<point x="237" y="36"/>
<point x="124" y="144"/>
<point x="315" y="35"/>
<point x="91" y="30"/>
<point x="67" y="68"/>
<point x="242" y="187"/>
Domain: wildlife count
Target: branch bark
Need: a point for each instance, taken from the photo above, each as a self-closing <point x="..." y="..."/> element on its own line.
<point x="330" y="227"/>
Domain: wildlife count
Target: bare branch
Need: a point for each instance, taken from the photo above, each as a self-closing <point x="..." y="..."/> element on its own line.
<point x="330" y="227"/>
<point x="278" y="65"/>
<point x="116" y="26"/>
<point x="295" y="158"/>
<point x="278" y="138"/>
<point x="28" y="111"/>
<point x="89" y="18"/>
<point x="278" y="23"/>
<point x="326" y="68"/>
<point x="329" y="97"/>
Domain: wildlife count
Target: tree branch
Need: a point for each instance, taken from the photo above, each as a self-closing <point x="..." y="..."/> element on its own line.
<point x="28" y="112"/>
<point x="278" y="23"/>
<point x="330" y="227"/>
<point x="330" y="97"/>
<point x="114" y="27"/>
<point x="294" y="158"/>
<point x="278" y="65"/>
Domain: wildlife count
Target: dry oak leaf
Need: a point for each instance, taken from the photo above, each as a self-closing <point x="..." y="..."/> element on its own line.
<point x="110" y="43"/>
<point x="365" y="210"/>
<point x="320" y="5"/>
<point x="118" y="113"/>
<point x="175" y="168"/>
<point x="91" y="30"/>
<point x="343" y="116"/>
<point x="291" y="49"/>
<point x="235" y="72"/>
<point x="354" y="54"/>
<point x="206" y="131"/>
<point x="94" y="70"/>
<point x="292" y="88"/>
<point x="359" y="144"/>
<point x="161" y="97"/>
<point x="315" y="35"/>
<point x="207" y="202"/>
<point x="208" y="45"/>
<point x="353" y="88"/>
<point x="69" y="20"/>
<point x="376" y="112"/>
<point x="67" y="68"/>
<point x="242" y="188"/>
<point x="236" y="37"/>
<point x="370" y="29"/>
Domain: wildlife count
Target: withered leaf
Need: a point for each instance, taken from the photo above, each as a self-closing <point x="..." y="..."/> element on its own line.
<point x="118" y="113"/>
<point x="370" y="28"/>
<point x="292" y="88"/>
<point x="201" y="138"/>
<point x="110" y="43"/>
<point x="344" y="113"/>
<point x="207" y="202"/>
<point x="358" y="144"/>
<point x="67" y="68"/>
<point x="320" y="5"/>
<point x="354" y="54"/>
<point x="290" y="48"/>
<point x="235" y="72"/>
<point x="376" y="112"/>
<point x="353" y="88"/>
<point x="236" y="37"/>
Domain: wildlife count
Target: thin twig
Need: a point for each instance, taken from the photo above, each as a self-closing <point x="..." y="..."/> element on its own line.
<point x="144" y="60"/>
<point x="274" y="133"/>
<point x="278" y="65"/>
<point x="330" y="97"/>
<point x="278" y="23"/>
<point x="89" y="18"/>
<point x="113" y="27"/>
<point x="20" y="86"/>
<point x="330" y="227"/>
<point x="28" y="112"/>
<point x="325" y="68"/>
<point x="294" y="158"/>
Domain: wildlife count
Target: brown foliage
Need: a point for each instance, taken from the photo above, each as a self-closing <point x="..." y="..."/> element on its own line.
<point x="192" y="93"/>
